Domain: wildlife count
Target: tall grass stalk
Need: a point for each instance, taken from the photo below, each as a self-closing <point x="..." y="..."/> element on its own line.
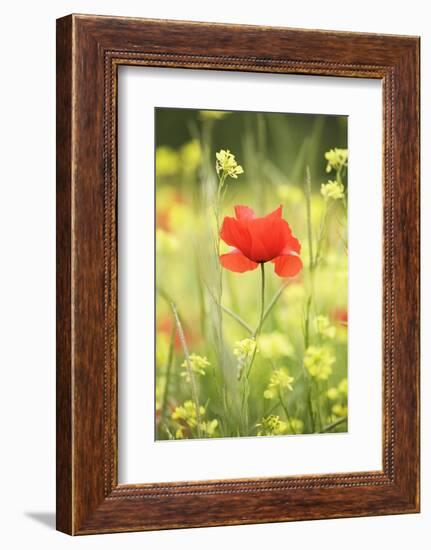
<point x="310" y="299"/>
<point x="200" y="290"/>
<point x="334" y="424"/>
<point x="190" y="372"/>
<point x="261" y="155"/>
<point x="212" y="193"/>
<point x="219" y="289"/>
<point x="286" y="412"/>
<point x="267" y="311"/>
<point x="219" y="284"/>
<point x="168" y="370"/>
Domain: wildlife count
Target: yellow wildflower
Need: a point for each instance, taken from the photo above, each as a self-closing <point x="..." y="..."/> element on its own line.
<point x="280" y="380"/>
<point x="187" y="413"/>
<point x="179" y="433"/>
<point x="209" y="427"/>
<point x="227" y="164"/>
<point x="318" y="361"/>
<point x="272" y="425"/>
<point x="332" y="190"/>
<point x="324" y="327"/>
<point x="244" y="351"/>
<point x="198" y="365"/>
<point x="337" y="159"/>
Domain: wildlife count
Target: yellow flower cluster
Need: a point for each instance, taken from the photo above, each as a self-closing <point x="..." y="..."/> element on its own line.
<point x="337" y="159"/>
<point x="186" y="414"/>
<point x="244" y="351"/>
<point x="323" y="327"/>
<point x="339" y="394"/>
<point x="280" y="380"/>
<point x="318" y="361"/>
<point x="198" y="365"/>
<point x="209" y="427"/>
<point x="332" y="190"/>
<point x="272" y="425"/>
<point x="227" y="164"/>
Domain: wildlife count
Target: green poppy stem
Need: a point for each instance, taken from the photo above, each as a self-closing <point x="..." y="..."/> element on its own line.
<point x="274" y="301"/>
<point x="286" y="412"/>
<point x="256" y="334"/>
<point x="262" y="298"/>
<point x="261" y="319"/>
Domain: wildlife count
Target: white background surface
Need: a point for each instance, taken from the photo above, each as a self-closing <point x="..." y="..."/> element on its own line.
<point x="141" y="458"/>
<point x="27" y="126"/>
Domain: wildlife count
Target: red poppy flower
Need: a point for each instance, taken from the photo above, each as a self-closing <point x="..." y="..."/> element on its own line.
<point x="259" y="240"/>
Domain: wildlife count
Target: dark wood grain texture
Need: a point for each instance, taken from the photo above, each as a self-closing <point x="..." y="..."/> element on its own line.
<point x="89" y="51"/>
<point x="64" y="283"/>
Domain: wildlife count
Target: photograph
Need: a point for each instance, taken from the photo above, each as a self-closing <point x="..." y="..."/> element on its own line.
<point x="251" y="274"/>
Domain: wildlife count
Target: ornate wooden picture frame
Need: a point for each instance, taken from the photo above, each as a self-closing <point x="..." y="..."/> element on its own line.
<point x="89" y="51"/>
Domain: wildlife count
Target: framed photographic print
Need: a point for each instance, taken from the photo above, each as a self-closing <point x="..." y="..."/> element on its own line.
<point x="237" y="274"/>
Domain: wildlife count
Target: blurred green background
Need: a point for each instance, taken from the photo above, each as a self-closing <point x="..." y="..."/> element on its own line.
<point x="283" y="142"/>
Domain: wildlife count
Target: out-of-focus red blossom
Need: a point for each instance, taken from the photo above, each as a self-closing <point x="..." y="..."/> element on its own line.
<point x="259" y="240"/>
<point x="166" y="325"/>
<point x="164" y="215"/>
<point x="340" y="315"/>
<point x="163" y="220"/>
<point x="171" y="407"/>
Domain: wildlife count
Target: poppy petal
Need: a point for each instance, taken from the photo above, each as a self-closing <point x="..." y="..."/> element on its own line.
<point x="260" y="239"/>
<point x="292" y="245"/>
<point x="287" y="265"/>
<point x="269" y="236"/>
<point x="244" y="212"/>
<point x="234" y="233"/>
<point x="236" y="261"/>
<point x="277" y="213"/>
